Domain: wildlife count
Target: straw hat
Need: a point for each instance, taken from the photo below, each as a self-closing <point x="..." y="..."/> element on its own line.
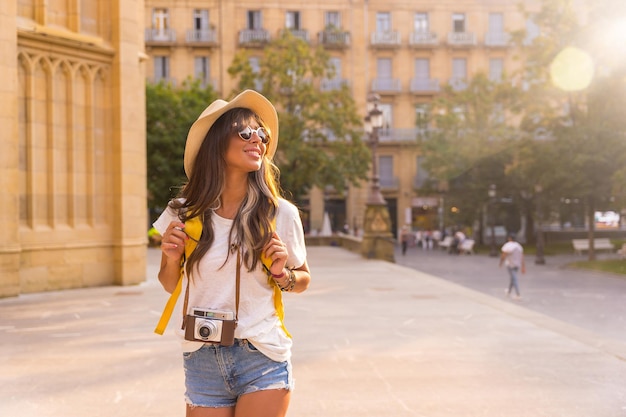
<point x="248" y="99"/>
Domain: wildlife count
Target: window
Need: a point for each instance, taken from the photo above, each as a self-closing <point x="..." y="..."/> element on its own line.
<point x="386" y="108"/>
<point x="383" y="22"/>
<point x="161" y="68"/>
<point x="496" y="68"/>
<point x="420" y="23"/>
<point x="202" y="69"/>
<point x="459" y="68"/>
<point x="459" y="74"/>
<point x="292" y="20"/>
<point x="332" y="20"/>
<point x="254" y="20"/>
<point x="200" y="19"/>
<point x="385" y="170"/>
<point x="496" y="23"/>
<point x="160" y="19"/>
<point x="422" y="68"/>
<point x="421" y="116"/>
<point x="383" y="68"/>
<point x="458" y="22"/>
<point x="336" y="64"/>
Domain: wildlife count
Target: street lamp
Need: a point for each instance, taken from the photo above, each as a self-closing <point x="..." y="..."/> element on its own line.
<point x="492" y="197"/>
<point x="372" y="124"/>
<point x="539" y="258"/>
<point x="377" y="238"/>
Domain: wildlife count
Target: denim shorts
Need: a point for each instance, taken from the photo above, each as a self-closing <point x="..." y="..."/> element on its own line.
<point x="216" y="376"/>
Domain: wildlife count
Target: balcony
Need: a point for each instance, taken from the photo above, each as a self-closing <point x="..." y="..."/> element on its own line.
<point x="423" y="39"/>
<point x="394" y="134"/>
<point x="386" y="85"/>
<point x="334" y="39"/>
<point x="497" y="40"/>
<point x="458" y="84"/>
<point x="389" y="39"/>
<point x="425" y="85"/>
<point x="253" y="37"/>
<point x="201" y="38"/>
<point x="461" y="39"/>
<point x="389" y="183"/>
<point x="333" y="84"/>
<point x="300" y="34"/>
<point x="160" y="37"/>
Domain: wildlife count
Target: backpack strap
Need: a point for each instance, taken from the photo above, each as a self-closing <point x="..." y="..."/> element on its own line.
<point x="193" y="228"/>
<point x="278" y="294"/>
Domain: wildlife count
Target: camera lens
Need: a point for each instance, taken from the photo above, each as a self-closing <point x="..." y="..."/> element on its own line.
<point x="206" y="330"/>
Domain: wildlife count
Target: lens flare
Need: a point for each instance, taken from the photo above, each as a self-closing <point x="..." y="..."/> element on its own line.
<point x="572" y="69"/>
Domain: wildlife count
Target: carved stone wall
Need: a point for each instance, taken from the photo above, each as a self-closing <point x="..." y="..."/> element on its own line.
<point x="75" y="165"/>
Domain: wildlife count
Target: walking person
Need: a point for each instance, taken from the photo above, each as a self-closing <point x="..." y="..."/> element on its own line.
<point x="405" y="236"/>
<point x="249" y="249"/>
<point x="512" y="256"/>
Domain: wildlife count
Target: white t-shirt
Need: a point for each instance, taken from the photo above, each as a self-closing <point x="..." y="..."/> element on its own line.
<point x="514" y="253"/>
<point x="213" y="284"/>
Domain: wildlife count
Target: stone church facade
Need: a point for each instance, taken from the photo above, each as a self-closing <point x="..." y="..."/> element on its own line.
<point x="73" y="144"/>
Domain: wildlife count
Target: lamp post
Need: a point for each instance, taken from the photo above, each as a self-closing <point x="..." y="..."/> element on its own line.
<point x="539" y="258"/>
<point x="492" y="197"/>
<point x="377" y="238"/>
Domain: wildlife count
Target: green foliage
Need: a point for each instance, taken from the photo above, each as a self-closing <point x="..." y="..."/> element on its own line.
<point x="170" y="112"/>
<point x="471" y="143"/>
<point x="571" y="144"/>
<point x="320" y="131"/>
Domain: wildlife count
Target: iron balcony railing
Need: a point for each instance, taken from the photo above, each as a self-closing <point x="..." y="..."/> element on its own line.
<point x="201" y="36"/>
<point x="418" y="39"/>
<point x="461" y="39"/>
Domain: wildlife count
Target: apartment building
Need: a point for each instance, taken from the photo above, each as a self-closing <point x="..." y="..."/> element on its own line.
<point x="405" y="51"/>
<point x="73" y="144"/>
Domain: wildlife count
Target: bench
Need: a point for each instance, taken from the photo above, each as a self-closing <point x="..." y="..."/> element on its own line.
<point x="446" y="243"/>
<point x="467" y="246"/>
<point x="581" y="245"/>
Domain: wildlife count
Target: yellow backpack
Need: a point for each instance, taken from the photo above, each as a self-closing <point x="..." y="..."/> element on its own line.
<point x="193" y="228"/>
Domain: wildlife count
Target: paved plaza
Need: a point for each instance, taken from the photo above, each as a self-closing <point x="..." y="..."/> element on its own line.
<point x="371" y="339"/>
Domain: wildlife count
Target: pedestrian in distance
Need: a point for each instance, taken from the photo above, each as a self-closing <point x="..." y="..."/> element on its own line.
<point x="512" y="256"/>
<point x="241" y="246"/>
<point x="405" y="236"/>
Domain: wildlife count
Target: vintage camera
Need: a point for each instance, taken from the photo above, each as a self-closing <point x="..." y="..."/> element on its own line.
<point x="211" y="326"/>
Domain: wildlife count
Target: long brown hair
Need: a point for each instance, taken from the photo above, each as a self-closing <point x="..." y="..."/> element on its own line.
<point x="200" y="196"/>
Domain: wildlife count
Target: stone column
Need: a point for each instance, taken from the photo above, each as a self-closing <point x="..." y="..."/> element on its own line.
<point x="129" y="141"/>
<point x="9" y="159"/>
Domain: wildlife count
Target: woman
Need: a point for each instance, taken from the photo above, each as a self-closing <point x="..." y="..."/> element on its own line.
<point x="233" y="191"/>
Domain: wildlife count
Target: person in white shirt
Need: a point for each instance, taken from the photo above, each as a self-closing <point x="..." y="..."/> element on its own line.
<point x="512" y="256"/>
<point x="232" y="192"/>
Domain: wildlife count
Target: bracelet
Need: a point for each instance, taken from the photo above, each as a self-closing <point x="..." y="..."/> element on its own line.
<point x="291" y="282"/>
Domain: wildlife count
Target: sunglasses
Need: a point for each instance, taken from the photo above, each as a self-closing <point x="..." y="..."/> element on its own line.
<point x="246" y="134"/>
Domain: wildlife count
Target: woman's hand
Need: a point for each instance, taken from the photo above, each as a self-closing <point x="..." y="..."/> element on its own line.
<point x="172" y="248"/>
<point x="173" y="241"/>
<point x="277" y="253"/>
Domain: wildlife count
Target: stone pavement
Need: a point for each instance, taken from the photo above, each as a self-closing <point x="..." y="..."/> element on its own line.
<point x="371" y="339"/>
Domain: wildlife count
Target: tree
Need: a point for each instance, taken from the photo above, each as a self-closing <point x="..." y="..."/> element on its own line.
<point x="170" y="112"/>
<point x="471" y="143"/>
<point x="320" y="130"/>
<point x="579" y="110"/>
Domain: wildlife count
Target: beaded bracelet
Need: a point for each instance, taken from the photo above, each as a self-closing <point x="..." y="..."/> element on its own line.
<point x="291" y="282"/>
